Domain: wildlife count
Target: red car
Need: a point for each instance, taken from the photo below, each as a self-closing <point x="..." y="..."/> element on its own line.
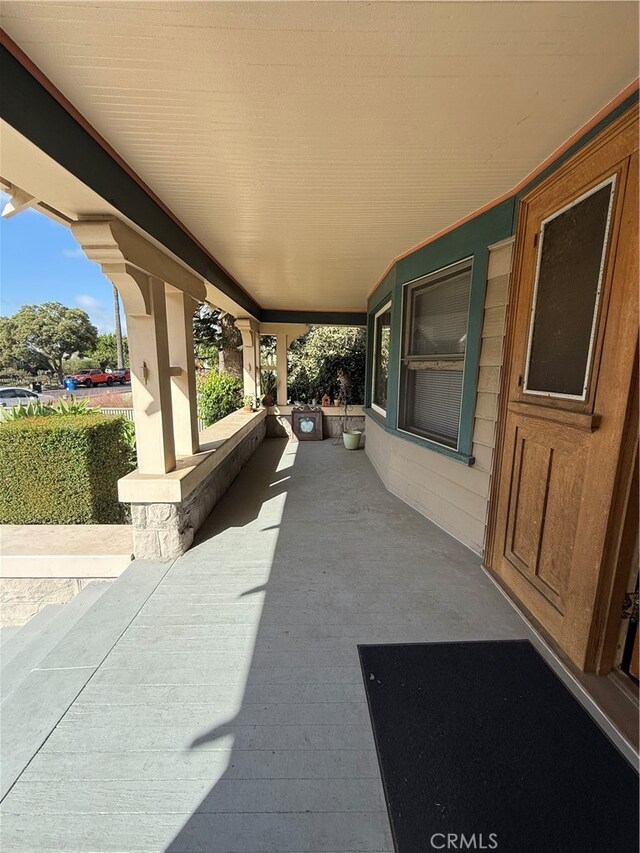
<point x="90" y="376"/>
<point x="121" y="375"/>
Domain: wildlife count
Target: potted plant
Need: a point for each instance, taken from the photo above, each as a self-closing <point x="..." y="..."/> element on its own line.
<point x="350" y="437"/>
<point x="248" y="403"/>
<point x="269" y="388"/>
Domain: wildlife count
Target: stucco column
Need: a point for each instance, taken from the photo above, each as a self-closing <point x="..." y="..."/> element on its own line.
<point x="282" y="392"/>
<point x="285" y="334"/>
<point x="180" y="309"/>
<point x="250" y="355"/>
<point x="151" y="383"/>
<point x="256" y="345"/>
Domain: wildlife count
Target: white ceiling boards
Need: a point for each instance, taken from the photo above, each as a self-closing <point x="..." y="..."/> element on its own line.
<point x="305" y="145"/>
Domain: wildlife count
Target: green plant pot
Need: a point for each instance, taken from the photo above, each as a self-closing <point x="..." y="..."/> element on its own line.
<point x="351" y="439"/>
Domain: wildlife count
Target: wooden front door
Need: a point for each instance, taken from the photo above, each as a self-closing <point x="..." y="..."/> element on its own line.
<point x="570" y="368"/>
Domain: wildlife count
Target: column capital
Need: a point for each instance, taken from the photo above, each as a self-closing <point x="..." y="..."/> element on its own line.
<point x="247" y="327"/>
<point x="128" y="259"/>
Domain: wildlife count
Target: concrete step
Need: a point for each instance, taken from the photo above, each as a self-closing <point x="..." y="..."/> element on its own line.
<point x="33" y="709"/>
<point x="16" y="670"/>
<point x="28" y="632"/>
<point x="8" y="631"/>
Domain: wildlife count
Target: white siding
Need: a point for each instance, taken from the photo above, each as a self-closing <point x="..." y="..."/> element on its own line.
<point x="454" y="496"/>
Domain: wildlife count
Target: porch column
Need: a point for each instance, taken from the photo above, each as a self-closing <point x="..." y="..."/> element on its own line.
<point x="249" y="330"/>
<point x="285" y="334"/>
<point x="139" y="271"/>
<point x="151" y="383"/>
<point x="282" y="392"/>
<point x="180" y="309"/>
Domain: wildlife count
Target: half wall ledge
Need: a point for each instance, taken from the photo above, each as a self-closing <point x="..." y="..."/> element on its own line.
<point x="168" y="509"/>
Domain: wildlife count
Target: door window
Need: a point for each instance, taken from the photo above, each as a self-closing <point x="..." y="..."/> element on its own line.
<point x="571" y="256"/>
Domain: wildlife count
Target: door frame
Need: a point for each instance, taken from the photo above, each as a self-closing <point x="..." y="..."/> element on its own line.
<point x="612" y="578"/>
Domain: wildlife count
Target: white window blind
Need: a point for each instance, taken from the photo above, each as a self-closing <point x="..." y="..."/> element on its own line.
<point x="436" y="319"/>
<point x="435" y="404"/>
<point x="439" y="316"/>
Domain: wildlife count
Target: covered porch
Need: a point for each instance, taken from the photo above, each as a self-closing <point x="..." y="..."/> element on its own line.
<point x="229" y="714"/>
<point x="460" y="179"/>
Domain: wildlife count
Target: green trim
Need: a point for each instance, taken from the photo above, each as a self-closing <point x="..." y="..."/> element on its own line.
<point x="375" y="416"/>
<point x="385" y="296"/>
<point x="316" y="318"/>
<point x="29" y="108"/>
<point x="580" y="143"/>
<point x="470" y="240"/>
<point x="383" y="292"/>
<point x="415" y="439"/>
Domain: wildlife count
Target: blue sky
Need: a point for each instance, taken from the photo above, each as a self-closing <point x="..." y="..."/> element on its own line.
<point x="40" y="261"/>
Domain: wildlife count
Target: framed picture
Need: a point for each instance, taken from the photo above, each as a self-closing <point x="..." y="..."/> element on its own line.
<point x="306" y="423"/>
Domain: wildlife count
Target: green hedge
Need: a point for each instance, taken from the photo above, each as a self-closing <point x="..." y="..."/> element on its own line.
<point x="62" y="469"/>
<point x="219" y="394"/>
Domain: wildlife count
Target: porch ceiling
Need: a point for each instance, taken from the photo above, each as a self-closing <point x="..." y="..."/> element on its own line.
<point x="307" y="144"/>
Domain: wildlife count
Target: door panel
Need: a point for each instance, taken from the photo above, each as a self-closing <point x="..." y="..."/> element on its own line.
<point x="546" y="490"/>
<point x="570" y="354"/>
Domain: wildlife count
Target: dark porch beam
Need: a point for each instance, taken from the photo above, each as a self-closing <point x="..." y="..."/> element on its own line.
<point x="33" y="106"/>
<point x="316" y="318"/>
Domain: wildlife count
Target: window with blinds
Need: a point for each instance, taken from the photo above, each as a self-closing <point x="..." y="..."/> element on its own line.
<point x="382" y="339"/>
<point x="436" y="315"/>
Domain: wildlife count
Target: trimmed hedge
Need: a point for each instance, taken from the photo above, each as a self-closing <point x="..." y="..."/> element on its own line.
<point x="219" y="395"/>
<point x="62" y="469"/>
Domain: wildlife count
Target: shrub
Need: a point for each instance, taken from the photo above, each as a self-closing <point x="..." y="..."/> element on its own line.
<point x="62" y="469"/>
<point x="40" y="409"/>
<point x="314" y="361"/>
<point x="219" y="395"/>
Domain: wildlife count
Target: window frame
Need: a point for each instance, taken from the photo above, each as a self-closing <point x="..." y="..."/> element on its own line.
<point x="383" y="310"/>
<point x="405" y="339"/>
<point x="612" y="180"/>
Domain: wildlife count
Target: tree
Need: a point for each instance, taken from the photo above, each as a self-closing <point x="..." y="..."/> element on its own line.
<point x="120" y="356"/>
<point x="217" y="340"/>
<point x="14" y="357"/>
<point x="47" y="334"/>
<point x="314" y="361"/>
<point x="105" y="352"/>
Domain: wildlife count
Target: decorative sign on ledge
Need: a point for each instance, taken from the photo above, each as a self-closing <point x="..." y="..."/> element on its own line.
<point x="306" y="423"/>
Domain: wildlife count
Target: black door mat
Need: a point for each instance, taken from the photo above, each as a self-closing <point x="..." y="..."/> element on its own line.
<point x="481" y="747"/>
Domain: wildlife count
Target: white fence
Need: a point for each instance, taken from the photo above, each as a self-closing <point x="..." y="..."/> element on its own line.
<point x="125" y="413"/>
<point x="128" y="414"/>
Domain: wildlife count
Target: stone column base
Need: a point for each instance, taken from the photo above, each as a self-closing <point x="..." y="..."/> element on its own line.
<point x="166" y="530"/>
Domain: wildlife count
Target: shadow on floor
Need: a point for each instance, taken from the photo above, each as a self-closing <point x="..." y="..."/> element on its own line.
<point x="306" y="557"/>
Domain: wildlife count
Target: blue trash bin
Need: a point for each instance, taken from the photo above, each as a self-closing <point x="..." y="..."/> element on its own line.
<point x="71" y="384"/>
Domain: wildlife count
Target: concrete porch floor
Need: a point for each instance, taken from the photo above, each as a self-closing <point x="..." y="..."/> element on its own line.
<point x="230" y="715"/>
